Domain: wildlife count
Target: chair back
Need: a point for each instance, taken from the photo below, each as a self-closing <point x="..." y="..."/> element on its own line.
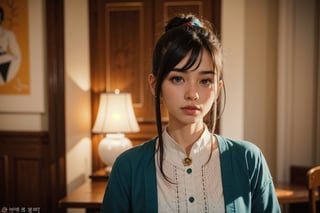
<point x="313" y="184"/>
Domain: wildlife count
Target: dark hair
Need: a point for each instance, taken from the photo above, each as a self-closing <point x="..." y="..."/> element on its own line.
<point x="184" y="34"/>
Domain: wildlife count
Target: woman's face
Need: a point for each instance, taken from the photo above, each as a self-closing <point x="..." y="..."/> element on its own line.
<point x="189" y="95"/>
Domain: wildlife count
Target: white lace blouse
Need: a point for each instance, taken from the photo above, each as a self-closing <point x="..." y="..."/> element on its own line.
<point x="196" y="186"/>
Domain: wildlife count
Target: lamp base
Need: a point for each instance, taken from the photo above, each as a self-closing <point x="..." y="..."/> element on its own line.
<point x="108" y="169"/>
<point x="111" y="147"/>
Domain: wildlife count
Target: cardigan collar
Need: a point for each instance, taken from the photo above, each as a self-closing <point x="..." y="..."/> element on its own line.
<point x="226" y="170"/>
<point x="200" y="150"/>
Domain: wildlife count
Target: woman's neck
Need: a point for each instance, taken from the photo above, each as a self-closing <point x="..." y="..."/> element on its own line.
<point x="186" y="135"/>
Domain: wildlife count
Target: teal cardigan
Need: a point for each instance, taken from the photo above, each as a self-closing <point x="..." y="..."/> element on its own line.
<point x="246" y="180"/>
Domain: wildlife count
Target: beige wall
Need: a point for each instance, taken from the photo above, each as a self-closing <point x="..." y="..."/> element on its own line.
<point x="233" y="32"/>
<point x="249" y="37"/>
<point x="298" y="68"/>
<point x="78" y="111"/>
<point x="261" y="31"/>
<point x="271" y="64"/>
<point x="304" y="82"/>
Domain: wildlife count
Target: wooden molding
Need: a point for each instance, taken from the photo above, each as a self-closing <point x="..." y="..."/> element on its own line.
<point x="56" y="95"/>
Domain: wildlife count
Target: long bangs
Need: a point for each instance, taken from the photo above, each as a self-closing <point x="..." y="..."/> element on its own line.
<point x="181" y="45"/>
<point x="195" y="57"/>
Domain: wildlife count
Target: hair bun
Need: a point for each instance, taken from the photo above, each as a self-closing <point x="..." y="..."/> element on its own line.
<point x="183" y="20"/>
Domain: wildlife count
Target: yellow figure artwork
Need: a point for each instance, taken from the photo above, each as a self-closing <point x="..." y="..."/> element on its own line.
<point x="10" y="56"/>
<point x="14" y="48"/>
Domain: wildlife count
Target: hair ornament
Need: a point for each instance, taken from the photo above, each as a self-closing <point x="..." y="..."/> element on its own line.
<point x="195" y="22"/>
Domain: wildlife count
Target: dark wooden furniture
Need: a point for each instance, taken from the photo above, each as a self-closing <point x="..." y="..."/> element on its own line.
<point x="24" y="169"/>
<point x="313" y="185"/>
<point x="298" y="176"/>
<point x="88" y="196"/>
<point x="290" y="193"/>
<point x="100" y="175"/>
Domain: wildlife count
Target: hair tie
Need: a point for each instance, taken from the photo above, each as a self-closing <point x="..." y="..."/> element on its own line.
<point x="194" y="22"/>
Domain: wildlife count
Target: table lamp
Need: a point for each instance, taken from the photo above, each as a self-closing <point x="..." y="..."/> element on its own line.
<point x="115" y="117"/>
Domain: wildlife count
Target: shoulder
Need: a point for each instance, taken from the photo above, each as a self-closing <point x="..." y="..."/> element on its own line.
<point x="242" y="153"/>
<point x="245" y="160"/>
<point x="132" y="180"/>
<point x="133" y="162"/>
<point x="237" y="146"/>
<point x="144" y="147"/>
<point x="137" y="154"/>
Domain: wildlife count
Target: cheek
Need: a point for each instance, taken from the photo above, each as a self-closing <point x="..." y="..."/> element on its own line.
<point x="213" y="94"/>
<point x="169" y="93"/>
<point x="208" y="98"/>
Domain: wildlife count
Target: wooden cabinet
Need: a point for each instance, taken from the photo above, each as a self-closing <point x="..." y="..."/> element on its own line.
<point x="122" y="37"/>
<point x="24" y="170"/>
<point x="127" y="52"/>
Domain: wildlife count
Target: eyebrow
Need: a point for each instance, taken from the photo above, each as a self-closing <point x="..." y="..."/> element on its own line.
<point x="204" y="72"/>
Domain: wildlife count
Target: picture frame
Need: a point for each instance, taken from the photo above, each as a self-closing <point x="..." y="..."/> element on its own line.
<point x="34" y="101"/>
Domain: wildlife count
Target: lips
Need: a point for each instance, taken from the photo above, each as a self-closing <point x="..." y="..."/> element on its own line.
<point x="190" y="110"/>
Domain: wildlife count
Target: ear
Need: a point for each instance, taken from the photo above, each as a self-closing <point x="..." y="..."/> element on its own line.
<point x="220" y="85"/>
<point x="152" y="84"/>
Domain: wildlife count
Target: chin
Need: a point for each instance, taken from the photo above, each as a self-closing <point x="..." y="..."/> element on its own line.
<point x="192" y="121"/>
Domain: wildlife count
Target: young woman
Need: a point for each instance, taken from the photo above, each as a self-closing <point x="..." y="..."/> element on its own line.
<point x="188" y="168"/>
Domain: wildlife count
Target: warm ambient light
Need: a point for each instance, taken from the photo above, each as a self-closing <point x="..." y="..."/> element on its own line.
<point x="115" y="117"/>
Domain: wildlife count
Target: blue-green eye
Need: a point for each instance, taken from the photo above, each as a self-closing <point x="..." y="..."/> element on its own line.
<point x="206" y="81"/>
<point x="176" y="79"/>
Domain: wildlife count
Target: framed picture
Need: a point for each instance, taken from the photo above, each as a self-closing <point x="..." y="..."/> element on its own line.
<point x="22" y="56"/>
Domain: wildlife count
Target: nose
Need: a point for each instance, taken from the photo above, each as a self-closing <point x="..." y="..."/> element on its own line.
<point x="191" y="93"/>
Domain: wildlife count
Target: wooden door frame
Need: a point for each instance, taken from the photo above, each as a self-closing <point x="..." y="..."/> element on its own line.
<point x="54" y="11"/>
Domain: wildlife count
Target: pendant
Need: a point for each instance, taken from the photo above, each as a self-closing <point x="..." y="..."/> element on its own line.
<point x="187" y="161"/>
